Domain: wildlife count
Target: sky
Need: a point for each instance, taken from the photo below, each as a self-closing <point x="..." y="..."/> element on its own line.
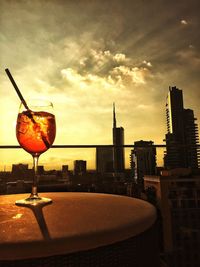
<point x="84" y="55"/>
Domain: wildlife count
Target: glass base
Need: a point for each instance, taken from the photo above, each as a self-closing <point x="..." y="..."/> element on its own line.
<point x="33" y="201"/>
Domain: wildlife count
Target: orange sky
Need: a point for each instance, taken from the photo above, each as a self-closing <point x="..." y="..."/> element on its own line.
<point x="84" y="55"/>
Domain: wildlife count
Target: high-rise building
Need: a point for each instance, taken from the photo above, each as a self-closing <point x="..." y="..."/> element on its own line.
<point x="111" y="159"/>
<point x="104" y="160"/>
<point x="143" y="160"/>
<point x="118" y="142"/>
<point x="182" y="133"/>
<point x="191" y="139"/>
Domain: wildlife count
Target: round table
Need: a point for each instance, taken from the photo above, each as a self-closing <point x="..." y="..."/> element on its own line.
<point x="74" y="223"/>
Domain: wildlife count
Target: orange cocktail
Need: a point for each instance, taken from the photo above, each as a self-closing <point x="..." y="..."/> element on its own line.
<point x="35" y="131"/>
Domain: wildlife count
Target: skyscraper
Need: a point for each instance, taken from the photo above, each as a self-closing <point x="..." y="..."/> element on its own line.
<point x="182" y="133"/>
<point x="191" y="139"/>
<point x="143" y="160"/>
<point x="108" y="159"/>
<point x="118" y="142"/>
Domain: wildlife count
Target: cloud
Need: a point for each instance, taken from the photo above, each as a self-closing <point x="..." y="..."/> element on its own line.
<point x="85" y="81"/>
<point x="120" y="57"/>
<point x="107" y="70"/>
<point x="184" y="22"/>
<point x="147" y="63"/>
<point x="124" y="75"/>
<point x="101" y="62"/>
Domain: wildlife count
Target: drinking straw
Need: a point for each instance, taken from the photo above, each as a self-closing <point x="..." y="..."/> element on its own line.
<point x="25" y="104"/>
<point x="16" y="88"/>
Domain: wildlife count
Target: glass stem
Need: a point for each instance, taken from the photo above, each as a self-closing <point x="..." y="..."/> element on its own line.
<point x="34" y="193"/>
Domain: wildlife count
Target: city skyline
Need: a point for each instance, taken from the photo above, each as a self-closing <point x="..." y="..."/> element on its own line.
<point x="116" y="51"/>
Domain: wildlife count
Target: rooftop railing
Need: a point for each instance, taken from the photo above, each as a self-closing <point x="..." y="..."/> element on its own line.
<point x="85" y="146"/>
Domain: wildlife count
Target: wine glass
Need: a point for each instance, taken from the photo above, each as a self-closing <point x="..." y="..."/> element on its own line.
<point x="35" y="131"/>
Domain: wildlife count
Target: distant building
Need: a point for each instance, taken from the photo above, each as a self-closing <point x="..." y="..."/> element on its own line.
<point x="19" y="168"/>
<point x="182" y="133"/>
<point x="111" y="160"/>
<point x="21" y="172"/>
<point x="65" y="168"/>
<point x="177" y="196"/>
<point x="65" y="173"/>
<point x="80" y="167"/>
<point x="143" y="160"/>
<point x="40" y="169"/>
<point x="104" y="160"/>
<point x="118" y="140"/>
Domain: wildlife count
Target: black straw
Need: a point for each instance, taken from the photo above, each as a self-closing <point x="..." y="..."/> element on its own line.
<point x="16" y="88"/>
<point x="25" y="105"/>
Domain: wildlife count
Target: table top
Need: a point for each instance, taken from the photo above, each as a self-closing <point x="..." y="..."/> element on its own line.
<point x="73" y="222"/>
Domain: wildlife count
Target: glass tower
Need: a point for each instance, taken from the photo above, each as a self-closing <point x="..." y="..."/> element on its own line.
<point x="182" y="133"/>
<point x="118" y="142"/>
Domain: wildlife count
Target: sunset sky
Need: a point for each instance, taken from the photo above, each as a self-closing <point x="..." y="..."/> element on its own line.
<point x="84" y="55"/>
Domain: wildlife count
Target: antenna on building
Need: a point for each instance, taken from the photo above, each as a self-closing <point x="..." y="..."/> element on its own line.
<point x="114" y="117"/>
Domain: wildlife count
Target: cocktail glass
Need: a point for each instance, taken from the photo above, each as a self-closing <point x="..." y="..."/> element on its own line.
<point x="35" y="131"/>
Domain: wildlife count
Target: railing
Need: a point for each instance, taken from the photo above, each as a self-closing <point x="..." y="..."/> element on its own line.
<point x="83" y="146"/>
<point x="88" y="147"/>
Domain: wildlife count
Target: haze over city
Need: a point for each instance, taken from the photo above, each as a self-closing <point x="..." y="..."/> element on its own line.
<point x="85" y="55"/>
